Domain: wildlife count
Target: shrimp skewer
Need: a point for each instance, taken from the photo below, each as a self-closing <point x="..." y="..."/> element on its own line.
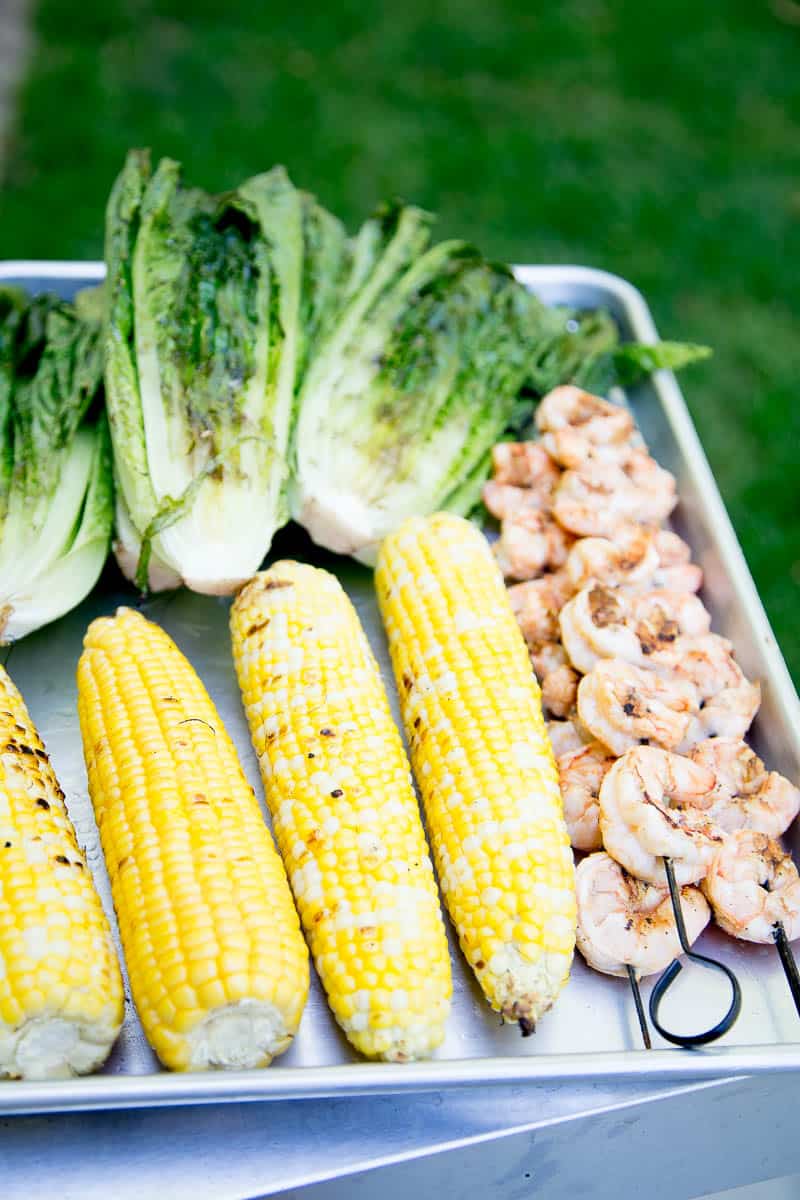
<point x="753" y="888"/>
<point x="652" y="806"/>
<point x="628" y="927"/>
<point x="624" y="922"/>
<point x="630" y="560"/>
<point x="652" y="803"/>
<point x="746" y="795"/>
<point x="751" y="885"/>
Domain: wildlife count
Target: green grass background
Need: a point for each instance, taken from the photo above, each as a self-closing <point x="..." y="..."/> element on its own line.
<point x="659" y="139"/>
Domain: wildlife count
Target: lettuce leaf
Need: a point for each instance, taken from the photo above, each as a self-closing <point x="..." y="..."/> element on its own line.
<point x="56" y="499"/>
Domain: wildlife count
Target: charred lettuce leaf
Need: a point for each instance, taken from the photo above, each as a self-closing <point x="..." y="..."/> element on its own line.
<point x="56" y="501"/>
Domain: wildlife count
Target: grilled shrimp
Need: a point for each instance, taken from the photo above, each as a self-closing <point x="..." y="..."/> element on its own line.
<point x="728" y="714"/>
<point x="728" y="700"/>
<point x="594" y="625"/>
<point x="675" y="571"/>
<point x="751" y="884"/>
<point x="630" y="560"/>
<point x="547" y="657"/>
<point x="682" y="577"/>
<point x="506" y="500"/>
<point x="524" y="465"/>
<point x="536" y="604"/>
<point x="655" y="486"/>
<point x="623" y="705"/>
<point x="564" y="736"/>
<point x="560" y="691"/>
<point x="595" y="500"/>
<point x="602" y="622"/>
<point x="598" y="498"/>
<point x="581" y="770"/>
<point x="653" y="804"/>
<point x="568" y="405"/>
<point x="705" y="661"/>
<point x="530" y="543"/>
<point x="577" y="426"/>
<point x="746" y="795"/>
<point x="672" y="550"/>
<point x="622" y="843"/>
<point x="636" y="559"/>
<point x="623" y="921"/>
<point x="659" y="617"/>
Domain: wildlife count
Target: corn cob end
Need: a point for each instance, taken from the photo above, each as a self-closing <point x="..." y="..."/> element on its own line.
<point x="238" y="1036"/>
<point x="524" y="991"/>
<point x="51" y="1046"/>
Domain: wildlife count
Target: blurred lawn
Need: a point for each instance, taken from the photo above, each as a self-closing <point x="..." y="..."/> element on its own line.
<point x="659" y="140"/>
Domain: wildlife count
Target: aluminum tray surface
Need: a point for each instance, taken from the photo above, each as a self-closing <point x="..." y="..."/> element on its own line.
<point x="591" y="1034"/>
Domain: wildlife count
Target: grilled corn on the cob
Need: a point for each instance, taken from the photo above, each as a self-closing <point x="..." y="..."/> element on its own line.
<point x="473" y="719"/>
<point x="344" y="811"/>
<point x="60" y="985"/>
<point x="217" y="963"/>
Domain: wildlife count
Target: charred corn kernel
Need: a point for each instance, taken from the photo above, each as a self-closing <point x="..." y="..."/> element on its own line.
<point x="60" y="985"/>
<point x="216" y="960"/>
<point x="344" y="811"/>
<point x="482" y="759"/>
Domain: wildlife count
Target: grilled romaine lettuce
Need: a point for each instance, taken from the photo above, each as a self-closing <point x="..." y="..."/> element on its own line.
<point x="417" y="378"/>
<point x="201" y="346"/>
<point x="56" y="502"/>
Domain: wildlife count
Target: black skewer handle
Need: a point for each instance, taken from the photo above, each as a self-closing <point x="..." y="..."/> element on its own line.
<point x="674" y="969"/>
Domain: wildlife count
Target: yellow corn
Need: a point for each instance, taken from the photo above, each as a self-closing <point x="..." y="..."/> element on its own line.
<point x="217" y="964"/>
<point x="344" y="811"/>
<point x="60" y="985"/>
<point x="482" y="759"/>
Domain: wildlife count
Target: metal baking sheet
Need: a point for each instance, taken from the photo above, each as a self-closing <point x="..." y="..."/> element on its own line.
<point x="591" y="1034"/>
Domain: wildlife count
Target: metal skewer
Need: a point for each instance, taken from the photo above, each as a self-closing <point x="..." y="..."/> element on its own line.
<point x="637" y="1000"/>
<point x="785" y="954"/>
<point x="787" y="962"/>
<point x="673" y="970"/>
